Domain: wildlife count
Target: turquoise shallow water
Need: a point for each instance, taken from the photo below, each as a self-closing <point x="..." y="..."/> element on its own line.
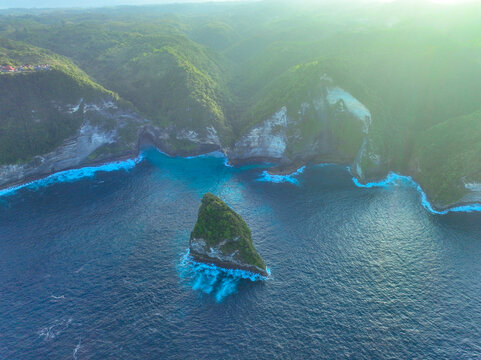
<point x="95" y="268"/>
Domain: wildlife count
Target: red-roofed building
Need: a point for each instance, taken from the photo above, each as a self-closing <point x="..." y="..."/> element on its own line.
<point x="8" y="68"/>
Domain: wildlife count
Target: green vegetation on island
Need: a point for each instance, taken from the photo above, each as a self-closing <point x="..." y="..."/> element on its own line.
<point x="221" y="236"/>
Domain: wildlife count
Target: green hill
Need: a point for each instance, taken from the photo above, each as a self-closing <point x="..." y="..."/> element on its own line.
<point x="32" y="119"/>
<point x="233" y="66"/>
<point x="169" y="78"/>
<point x="219" y="227"/>
<point x="446" y="151"/>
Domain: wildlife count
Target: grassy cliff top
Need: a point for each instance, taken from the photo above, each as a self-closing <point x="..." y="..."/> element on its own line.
<point x="16" y="53"/>
<point x="217" y="223"/>
<point x="36" y="107"/>
<point x="444" y="152"/>
<point x="232" y="66"/>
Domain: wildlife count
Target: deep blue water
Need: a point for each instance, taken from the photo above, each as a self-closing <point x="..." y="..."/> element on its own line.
<point x="95" y="269"/>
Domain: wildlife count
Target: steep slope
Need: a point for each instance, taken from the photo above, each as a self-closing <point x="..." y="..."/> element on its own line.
<point x="169" y="78"/>
<point x="222" y="237"/>
<point x="56" y="118"/>
<point x="308" y="118"/>
<point x="356" y="84"/>
<point x="446" y="161"/>
<point x="178" y="84"/>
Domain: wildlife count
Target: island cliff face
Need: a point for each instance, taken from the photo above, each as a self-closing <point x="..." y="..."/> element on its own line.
<point x="256" y="100"/>
<point x="221" y="237"/>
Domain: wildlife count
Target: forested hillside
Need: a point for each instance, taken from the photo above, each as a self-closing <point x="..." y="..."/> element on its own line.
<point x="34" y="119"/>
<point x="415" y="67"/>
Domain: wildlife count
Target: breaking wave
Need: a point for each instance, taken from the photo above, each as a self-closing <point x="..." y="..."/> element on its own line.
<point x="290" y="178"/>
<point x="393" y="179"/>
<point x="216" y="154"/>
<point x="77" y="348"/>
<point x="211" y="279"/>
<point x="74" y="175"/>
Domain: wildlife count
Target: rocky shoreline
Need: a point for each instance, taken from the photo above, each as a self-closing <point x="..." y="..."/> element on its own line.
<point x="221" y="237"/>
<point x="280" y="167"/>
<point x="98" y="163"/>
<point x="226" y="265"/>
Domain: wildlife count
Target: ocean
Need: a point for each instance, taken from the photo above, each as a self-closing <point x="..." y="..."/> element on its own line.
<point x="94" y="265"/>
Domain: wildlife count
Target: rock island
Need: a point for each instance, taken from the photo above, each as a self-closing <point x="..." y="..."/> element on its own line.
<point x="221" y="237"/>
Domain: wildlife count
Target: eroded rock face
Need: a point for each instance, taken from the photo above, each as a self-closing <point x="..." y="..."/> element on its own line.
<point x="337" y="95"/>
<point x="267" y="140"/>
<point x="221" y="237"/>
<point x="108" y="133"/>
<point x="183" y="142"/>
<point x="315" y="130"/>
<point x="210" y="136"/>
<point x="474" y="192"/>
<point x="103" y="121"/>
<point x="330" y="125"/>
<point x="307" y="132"/>
<point x="71" y="154"/>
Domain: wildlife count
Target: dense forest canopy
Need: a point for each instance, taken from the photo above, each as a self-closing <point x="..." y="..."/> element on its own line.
<point x="415" y="65"/>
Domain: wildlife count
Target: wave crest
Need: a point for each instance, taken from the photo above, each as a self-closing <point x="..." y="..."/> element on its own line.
<point x="211" y="279"/>
<point x="393" y="179"/>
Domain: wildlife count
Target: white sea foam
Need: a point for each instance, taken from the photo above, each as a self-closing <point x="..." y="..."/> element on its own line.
<point x="74" y="175"/>
<point x="52" y="331"/>
<point x="90" y="171"/>
<point x="394" y="179"/>
<point x="216" y="154"/>
<point x="85" y="172"/>
<point x="290" y="178"/>
<point x="77" y="348"/>
<point x="80" y="268"/>
<point x="211" y="279"/>
<point x="226" y="162"/>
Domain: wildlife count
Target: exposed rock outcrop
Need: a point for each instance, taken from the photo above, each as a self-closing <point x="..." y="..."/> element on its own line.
<point x="102" y="128"/>
<point x="330" y="126"/>
<point x="266" y="140"/>
<point x="221" y="237"/>
<point x="183" y="142"/>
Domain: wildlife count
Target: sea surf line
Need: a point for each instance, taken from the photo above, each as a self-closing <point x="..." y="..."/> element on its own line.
<point x="211" y="279"/>
<point x="89" y="171"/>
<point x="392" y="179"/>
<point x="265" y="176"/>
<point x="74" y="175"/>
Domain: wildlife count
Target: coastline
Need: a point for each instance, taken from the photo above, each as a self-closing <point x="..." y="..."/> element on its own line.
<point x="227" y="266"/>
<point x="393" y="178"/>
<point x="267" y="176"/>
<point x="89" y="164"/>
<point x="275" y="174"/>
<point x="73" y="173"/>
<point x="212" y="279"/>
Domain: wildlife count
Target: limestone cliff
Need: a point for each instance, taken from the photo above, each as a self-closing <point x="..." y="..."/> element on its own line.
<point x="52" y="132"/>
<point x="330" y="125"/>
<point x="103" y="134"/>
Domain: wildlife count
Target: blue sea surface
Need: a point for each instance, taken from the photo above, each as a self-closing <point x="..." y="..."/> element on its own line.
<point x="97" y="268"/>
